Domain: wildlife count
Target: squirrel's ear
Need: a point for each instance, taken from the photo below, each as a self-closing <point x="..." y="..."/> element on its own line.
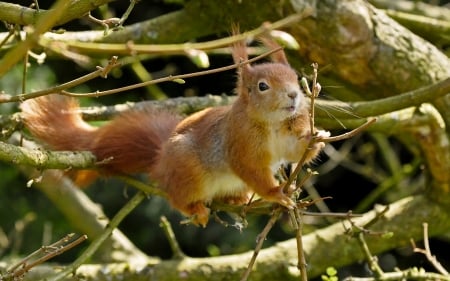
<point x="278" y="56"/>
<point x="239" y="52"/>
<point x="239" y="48"/>
<point x="244" y="74"/>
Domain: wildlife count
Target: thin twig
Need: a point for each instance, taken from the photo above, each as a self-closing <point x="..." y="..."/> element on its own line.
<point x="36" y="4"/>
<point x="93" y="247"/>
<point x="350" y="134"/>
<point x="100" y="72"/>
<point x="42" y="25"/>
<point x="409" y="274"/>
<point x="149" y="189"/>
<point x="170" y="78"/>
<point x="298" y="167"/>
<point x="315" y="93"/>
<point x="127" y="12"/>
<point x="24" y="72"/>
<point x="427" y="252"/>
<point x="301" y="260"/>
<point x="176" y="250"/>
<point x="372" y="260"/>
<point x="260" y="240"/>
<point x="50" y="251"/>
<point x="105" y="23"/>
<point x="314" y="139"/>
<point x="365" y="228"/>
<point x="113" y="22"/>
<point x="25" y="260"/>
<point x="11" y="32"/>
<point x="312" y="95"/>
<point x="329" y="214"/>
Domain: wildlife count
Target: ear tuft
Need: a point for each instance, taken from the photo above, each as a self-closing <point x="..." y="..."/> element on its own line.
<point x="239" y="52"/>
<point x="279" y="56"/>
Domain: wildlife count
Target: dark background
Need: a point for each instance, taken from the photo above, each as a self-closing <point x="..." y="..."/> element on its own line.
<point x="347" y="188"/>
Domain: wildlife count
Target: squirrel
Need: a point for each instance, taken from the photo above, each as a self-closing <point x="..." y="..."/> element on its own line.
<point x="222" y="153"/>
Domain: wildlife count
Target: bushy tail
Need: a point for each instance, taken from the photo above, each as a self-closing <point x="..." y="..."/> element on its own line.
<point x="131" y="142"/>
<point x="128" y="144"/>
<point x="56" y="121"/>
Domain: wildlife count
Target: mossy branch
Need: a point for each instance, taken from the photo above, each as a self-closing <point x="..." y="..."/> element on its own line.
<point x="322" y="247"/>
<point x="62" y="160"/>
<point x="325" y="109"/>
<point x="42" y="25"/>
<point x="127" y="48"/>
<point x="44" y="159"/>
<point x="17" y="14"/>
<point x="85" y="216"/>
<point x="385" y="105"/>
<point x="95" y="245"/>
<point x="414" y="7"/>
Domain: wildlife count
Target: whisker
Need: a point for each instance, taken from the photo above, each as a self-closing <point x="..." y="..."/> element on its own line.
<point x="333" y="87"/>
<point x="328" y="105"/>
<point x="329" y="114"/>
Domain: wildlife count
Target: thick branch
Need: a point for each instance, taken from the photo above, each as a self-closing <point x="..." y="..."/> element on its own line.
<point x="86" y="216"/>
<point x="434" y="30"/>
<point x="17" y="14"/>
<point x="414" y="7"/>
<point x="43" y="159"/>
<point x="127" y="48"/>
<point x="326" y="113"/>
<point x="323" y="247"/>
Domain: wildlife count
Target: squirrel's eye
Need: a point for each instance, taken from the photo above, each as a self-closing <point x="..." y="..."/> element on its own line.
<point x="262" y="86"/>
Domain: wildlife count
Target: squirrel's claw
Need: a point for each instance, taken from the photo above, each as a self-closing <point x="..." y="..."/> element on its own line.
<point x="276" y="195"/>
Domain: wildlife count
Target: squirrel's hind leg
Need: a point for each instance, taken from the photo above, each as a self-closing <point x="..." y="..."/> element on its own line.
<point x="198" y="212"/>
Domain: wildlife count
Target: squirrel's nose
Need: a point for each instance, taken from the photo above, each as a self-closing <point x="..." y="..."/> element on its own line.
<point x="292" y="94"/>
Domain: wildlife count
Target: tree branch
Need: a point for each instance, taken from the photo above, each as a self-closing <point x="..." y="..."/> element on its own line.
<point x="42" y="25"/>
<point x="17" y="14"/>
<point x="416" y="8"/>
<point x="323" y="247"/>
<point x="131" y="47"/>
<point x="86" y="217"/>
<point x="44" y="159"/>
<point x="62" y="160"/>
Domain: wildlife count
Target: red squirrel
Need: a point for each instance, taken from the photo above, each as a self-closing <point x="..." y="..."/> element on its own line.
<point x="221" y="153"/>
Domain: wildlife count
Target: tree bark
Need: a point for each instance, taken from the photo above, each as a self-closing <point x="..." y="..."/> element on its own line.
<point x="330" y="246"/>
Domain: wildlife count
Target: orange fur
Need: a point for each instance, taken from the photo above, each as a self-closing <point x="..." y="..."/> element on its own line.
<point x="219" y="153"/>
<point x="55" y="120"/>
<point x="127" y="145"/>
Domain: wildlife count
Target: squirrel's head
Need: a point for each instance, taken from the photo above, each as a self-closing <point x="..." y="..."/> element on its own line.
<point x="270" y="91"/>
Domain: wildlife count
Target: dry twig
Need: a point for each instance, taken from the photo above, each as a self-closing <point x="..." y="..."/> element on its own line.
<point x="260" y="240"/>
<point x="101" y="71"/>
<point x="427" y="251"/>
<point x="177" y="252"/>
<point x="45" y="253"/>
<point x="93" y="247"/>
<point x="171" y="78"/>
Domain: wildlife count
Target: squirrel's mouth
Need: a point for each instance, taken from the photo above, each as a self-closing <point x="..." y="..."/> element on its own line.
<point x="291" y="108"/>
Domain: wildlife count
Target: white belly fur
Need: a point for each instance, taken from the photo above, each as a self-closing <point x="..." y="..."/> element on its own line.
<point x="222" y="184"/>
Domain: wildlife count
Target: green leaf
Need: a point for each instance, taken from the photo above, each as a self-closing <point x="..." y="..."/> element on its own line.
<point x="179" y="81"/>
<point x="331" y="271"/>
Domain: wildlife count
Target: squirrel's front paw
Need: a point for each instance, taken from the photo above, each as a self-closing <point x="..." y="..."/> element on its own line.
<point x="276" y="195"/>
<point x="321" y="134"/>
